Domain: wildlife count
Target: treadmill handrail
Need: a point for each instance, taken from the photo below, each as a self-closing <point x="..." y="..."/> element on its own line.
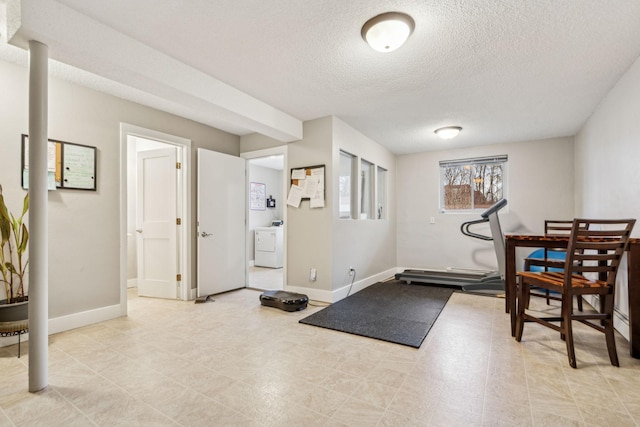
<point x="494" y="208"/>
<point x="464" y="228"/>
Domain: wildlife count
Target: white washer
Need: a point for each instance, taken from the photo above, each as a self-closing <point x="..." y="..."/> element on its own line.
<point x="268" y="247"/>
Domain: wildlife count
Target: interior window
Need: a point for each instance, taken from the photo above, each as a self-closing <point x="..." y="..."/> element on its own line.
<point x="381" y="203"/>
<point x="366" y="189"/>
<point x="346" y="185"/>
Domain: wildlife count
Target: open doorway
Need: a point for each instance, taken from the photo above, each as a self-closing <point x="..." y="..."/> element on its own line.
<point x="266" y="224"/>
<point x="155" y="253"/>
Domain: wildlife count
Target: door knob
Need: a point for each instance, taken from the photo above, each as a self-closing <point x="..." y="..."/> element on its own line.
<point x="205" y="234"/>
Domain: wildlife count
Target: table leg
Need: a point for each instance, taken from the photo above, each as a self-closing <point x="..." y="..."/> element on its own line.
<point x="510" y="284"/>
<point x="633" y="258"/>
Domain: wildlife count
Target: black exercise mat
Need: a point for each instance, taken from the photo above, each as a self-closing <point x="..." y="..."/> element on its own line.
<point x="391" y="311"/>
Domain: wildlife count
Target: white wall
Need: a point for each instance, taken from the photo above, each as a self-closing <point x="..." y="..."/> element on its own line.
<point x="607" y="172"/>
<point x="309" y="238"/>
<point x="367" y="245"/>
<point x="272" y="179"/>
<point x="255" y="142"/>
<point x="84" y="225"/>
<point x="317" y="237"/>
<point x="608" y="154"/>
<point x="540" y="186"/>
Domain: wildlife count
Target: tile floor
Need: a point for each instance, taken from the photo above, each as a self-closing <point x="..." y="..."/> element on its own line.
<point x="266" y="278"/>
<point x="234" y="363"/>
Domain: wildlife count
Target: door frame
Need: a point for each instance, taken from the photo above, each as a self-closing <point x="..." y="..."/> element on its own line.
<point x="248" y="155"/>
<point x="183" y="196"/>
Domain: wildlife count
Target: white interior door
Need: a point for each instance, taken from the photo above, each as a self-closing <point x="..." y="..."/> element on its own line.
<point x="156" y="223"/>
<point x="221" y="222"/>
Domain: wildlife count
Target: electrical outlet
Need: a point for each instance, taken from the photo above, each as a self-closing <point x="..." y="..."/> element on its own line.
<point x="351" y="270"/>
<point x="432" y="220"/>
<point x="312" y="274"/>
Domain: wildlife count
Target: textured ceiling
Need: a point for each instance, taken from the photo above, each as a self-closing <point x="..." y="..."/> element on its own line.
<point x="504" y="70"/>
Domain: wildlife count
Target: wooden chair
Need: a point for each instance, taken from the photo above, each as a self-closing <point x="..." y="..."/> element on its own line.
<point x="595" y="249"/>
<point x="546" y="259"/>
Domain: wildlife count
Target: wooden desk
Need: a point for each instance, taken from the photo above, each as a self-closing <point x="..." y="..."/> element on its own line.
<point x="560" y="242"/>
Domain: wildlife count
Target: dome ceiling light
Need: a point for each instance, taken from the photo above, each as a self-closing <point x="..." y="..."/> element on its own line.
<point x="388" y="31"/>
<point x="448" y="132"/>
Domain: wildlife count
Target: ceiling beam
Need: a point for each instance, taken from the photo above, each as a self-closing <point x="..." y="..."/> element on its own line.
<point x="82" y="42"/>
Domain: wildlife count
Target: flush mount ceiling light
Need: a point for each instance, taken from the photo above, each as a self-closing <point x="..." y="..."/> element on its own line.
<point x="388" y="31"/>
<point x="448" y="132"/>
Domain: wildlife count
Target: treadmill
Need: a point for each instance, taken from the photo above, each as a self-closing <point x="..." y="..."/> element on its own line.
<point x="469" y="280"/>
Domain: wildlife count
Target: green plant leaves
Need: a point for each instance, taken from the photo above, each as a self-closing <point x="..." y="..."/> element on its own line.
<point x="11" y="250"/>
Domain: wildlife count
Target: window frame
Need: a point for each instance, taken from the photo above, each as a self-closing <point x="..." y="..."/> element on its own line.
<point x="472" y="164"/>
<point x="346" y="156"/>
<point x="381" y="193"/>
<point x="366" y="187"/>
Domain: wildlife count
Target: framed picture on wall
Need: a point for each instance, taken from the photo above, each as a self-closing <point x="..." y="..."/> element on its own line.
<point x="70" y="166"/>
<point x="257" y="195"/>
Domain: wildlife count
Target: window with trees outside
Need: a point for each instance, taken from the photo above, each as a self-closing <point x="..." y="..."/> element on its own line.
<point x="470" y="184"/>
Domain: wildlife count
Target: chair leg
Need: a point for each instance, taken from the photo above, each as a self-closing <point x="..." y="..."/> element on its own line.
<point x="579" y="302"/>
<point x="19" y="335"/>
<point x="546" y="292"/>
<point x="523" y="302"/>
<point x="608" y="330"/>
<point x="567" y="311"/>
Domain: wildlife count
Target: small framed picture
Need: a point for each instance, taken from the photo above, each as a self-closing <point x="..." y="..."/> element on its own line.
<point x="257" y="196"/>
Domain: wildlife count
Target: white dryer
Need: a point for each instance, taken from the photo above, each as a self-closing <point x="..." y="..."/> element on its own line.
<point x="268" y="247"/>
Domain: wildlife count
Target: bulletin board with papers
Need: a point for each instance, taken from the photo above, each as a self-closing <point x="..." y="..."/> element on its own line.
<point x="70" y="166"/>
<point x="307" y="183"/>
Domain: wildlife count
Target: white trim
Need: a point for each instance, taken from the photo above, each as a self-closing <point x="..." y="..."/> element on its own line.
<point x="7" y="341"/>
<point x="620" y="322"/>
<point x="275" y="151"/>
<point x="341" y="293"/>
<point x="123" y="219"/>
<point x="621" y="325"/>
<point x="72" y="321"/>
<point x="83" y="318"/>
<point x="313" y="294"/>
<point x="132" y="283"/>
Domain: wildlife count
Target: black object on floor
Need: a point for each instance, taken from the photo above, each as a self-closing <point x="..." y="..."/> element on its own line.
<point x="204" y="298"/>
<point x="390" y="311"/>
<point x="287" y="301"/>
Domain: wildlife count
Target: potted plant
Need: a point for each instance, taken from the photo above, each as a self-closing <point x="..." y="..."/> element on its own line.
<point x="14" y="237"/>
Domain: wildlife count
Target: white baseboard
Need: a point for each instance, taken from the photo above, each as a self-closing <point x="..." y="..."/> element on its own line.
<point x="344" y="291"/>
<point x="84" y="318"/>
<point x="620" y="321"/>
<point x="72" y="321"/>
<point x="341" y="293"/>
<point x="313" y="294"/>
<point x="132" y="283"/>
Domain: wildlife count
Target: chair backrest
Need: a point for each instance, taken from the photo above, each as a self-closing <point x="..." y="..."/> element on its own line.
<point x="554" y="227"/>
<point x="597" y="246"/>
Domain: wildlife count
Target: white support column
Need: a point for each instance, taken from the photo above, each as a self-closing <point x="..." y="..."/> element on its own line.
<point x="38" y="241"/>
